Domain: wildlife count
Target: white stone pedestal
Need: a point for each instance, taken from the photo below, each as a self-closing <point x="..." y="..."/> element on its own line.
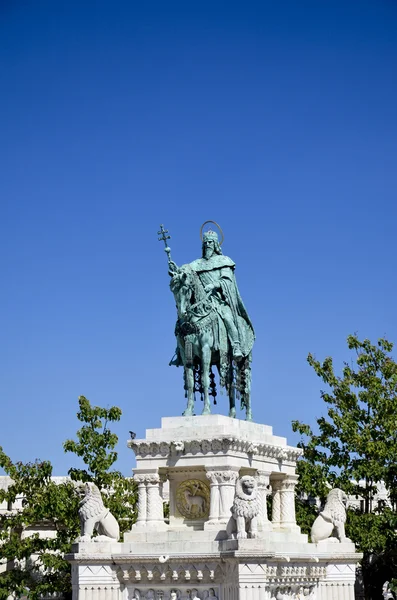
<point x="191" y="557"/>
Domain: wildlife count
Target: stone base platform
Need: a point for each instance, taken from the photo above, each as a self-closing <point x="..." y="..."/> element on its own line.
<point x="242" y="569"/>
<point x="196" y="554"/>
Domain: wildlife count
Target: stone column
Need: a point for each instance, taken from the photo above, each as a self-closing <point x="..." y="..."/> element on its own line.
<point x="263" y="490"/>
<point x="142" y="500"/>
<point x="163" y="479"/>
<point x="276" y="493"/>
<point x="227" y="488"/>
<point x="287" y="504"/>
<point x="214" y="498"/>
<point x="155" y="514"/>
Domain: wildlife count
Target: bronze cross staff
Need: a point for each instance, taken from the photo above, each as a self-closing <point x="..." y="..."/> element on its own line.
<point x="164" y="237"/>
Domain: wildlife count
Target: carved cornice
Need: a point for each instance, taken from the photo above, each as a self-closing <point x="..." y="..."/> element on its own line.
<point x="87" y="556"/>
<point x="92" y="558"/>
<point x="143" y="448"/>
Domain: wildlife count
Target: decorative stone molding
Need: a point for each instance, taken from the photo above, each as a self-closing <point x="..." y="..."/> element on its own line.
<point x="142" y="448"/>
<point x="107" y="592"/>
<point x="281" y="574"/>
<point x="195" y="574"/>
<point x="172" y="594"/>
<point x="177" y="447"/>
<point x="297" y="591"/>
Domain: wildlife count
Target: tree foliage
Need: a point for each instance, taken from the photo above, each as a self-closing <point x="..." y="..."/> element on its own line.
<point x="95" y="445"/>
<point x="355" y="448"/>
<point x="32" y="565"/>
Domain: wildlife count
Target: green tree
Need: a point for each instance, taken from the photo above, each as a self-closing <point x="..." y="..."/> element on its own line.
<point x="95" y="445"/>
<point x="354" y="448"/>
<point x="34" y="565"/>
<point x="31" y="565"/>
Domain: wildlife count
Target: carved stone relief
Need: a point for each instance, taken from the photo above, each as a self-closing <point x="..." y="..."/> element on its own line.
<point x="193" y="499"/>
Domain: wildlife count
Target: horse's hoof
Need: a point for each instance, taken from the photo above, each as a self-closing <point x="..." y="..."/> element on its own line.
<point x="232" y="413"/>
<point x="188" y="413"/>
<point x="206" y="411"/>
<point x="249" y="417"/>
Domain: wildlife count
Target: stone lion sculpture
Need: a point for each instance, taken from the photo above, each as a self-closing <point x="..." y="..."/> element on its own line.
<point x="95" y="516"/>
<point x="329" y="526"/>
<point x="245" y="509"/>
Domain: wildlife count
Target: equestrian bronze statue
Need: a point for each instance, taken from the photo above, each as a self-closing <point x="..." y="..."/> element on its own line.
<point x="213" y="327"/>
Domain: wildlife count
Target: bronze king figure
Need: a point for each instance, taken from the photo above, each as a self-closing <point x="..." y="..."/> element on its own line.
<point x="213" y="326"/>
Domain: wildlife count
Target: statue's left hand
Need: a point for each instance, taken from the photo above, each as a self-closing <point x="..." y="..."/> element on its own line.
<point x="210" y="287"/>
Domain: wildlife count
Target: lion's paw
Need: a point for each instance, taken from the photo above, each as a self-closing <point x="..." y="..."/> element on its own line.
<point x="254" y="534"/>
<point x="103" y="538"/>
<point x="241" y="535"/>
<point x="83" y="538"/>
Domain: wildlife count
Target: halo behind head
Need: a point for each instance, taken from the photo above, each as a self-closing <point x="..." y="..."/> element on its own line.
<point x="210" y="233"/>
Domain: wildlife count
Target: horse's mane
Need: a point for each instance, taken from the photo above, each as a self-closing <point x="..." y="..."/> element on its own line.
<point x="199" y="292"/>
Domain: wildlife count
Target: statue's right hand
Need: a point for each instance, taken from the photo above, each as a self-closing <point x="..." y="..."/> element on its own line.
<point x="172" y="268"/>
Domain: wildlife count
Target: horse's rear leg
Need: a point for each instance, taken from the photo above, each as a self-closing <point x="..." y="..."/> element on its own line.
<point x="248" y="412"/>
<point x="205" y="377"/>
<point x="247" y="389"/>
<point x="189" y="379"/>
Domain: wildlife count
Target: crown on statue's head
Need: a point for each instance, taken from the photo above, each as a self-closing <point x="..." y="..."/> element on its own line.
<point x="210" y="235"/>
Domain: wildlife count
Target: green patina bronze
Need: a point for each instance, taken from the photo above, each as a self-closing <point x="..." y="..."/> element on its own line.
<point x="213" y="327"/>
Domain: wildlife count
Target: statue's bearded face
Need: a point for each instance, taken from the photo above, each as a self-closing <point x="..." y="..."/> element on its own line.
<point x="209" y="248"/>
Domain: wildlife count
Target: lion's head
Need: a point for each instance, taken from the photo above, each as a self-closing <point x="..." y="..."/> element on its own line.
<point x="246" y="503"/>
<point x="335" y="506"/>
<point x="246" y="487"/>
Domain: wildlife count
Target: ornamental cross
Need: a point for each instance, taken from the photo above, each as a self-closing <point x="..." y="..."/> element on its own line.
<point x="164" y="237"/>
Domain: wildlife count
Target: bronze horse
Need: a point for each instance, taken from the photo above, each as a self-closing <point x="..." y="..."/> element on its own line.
<point x="202" y="342"/>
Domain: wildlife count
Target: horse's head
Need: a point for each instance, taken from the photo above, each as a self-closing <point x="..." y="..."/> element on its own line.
<point x="181" y="286"/>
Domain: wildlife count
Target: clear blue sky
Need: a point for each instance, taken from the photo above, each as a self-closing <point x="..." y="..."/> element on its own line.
<point x="276" y="119"/>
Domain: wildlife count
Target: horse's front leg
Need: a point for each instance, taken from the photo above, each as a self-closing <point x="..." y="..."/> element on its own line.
<point x="232" y="403"/>
<point x="205" y="376"/>
<point x="189" y="382"/>
<point x="248" y="410"/>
